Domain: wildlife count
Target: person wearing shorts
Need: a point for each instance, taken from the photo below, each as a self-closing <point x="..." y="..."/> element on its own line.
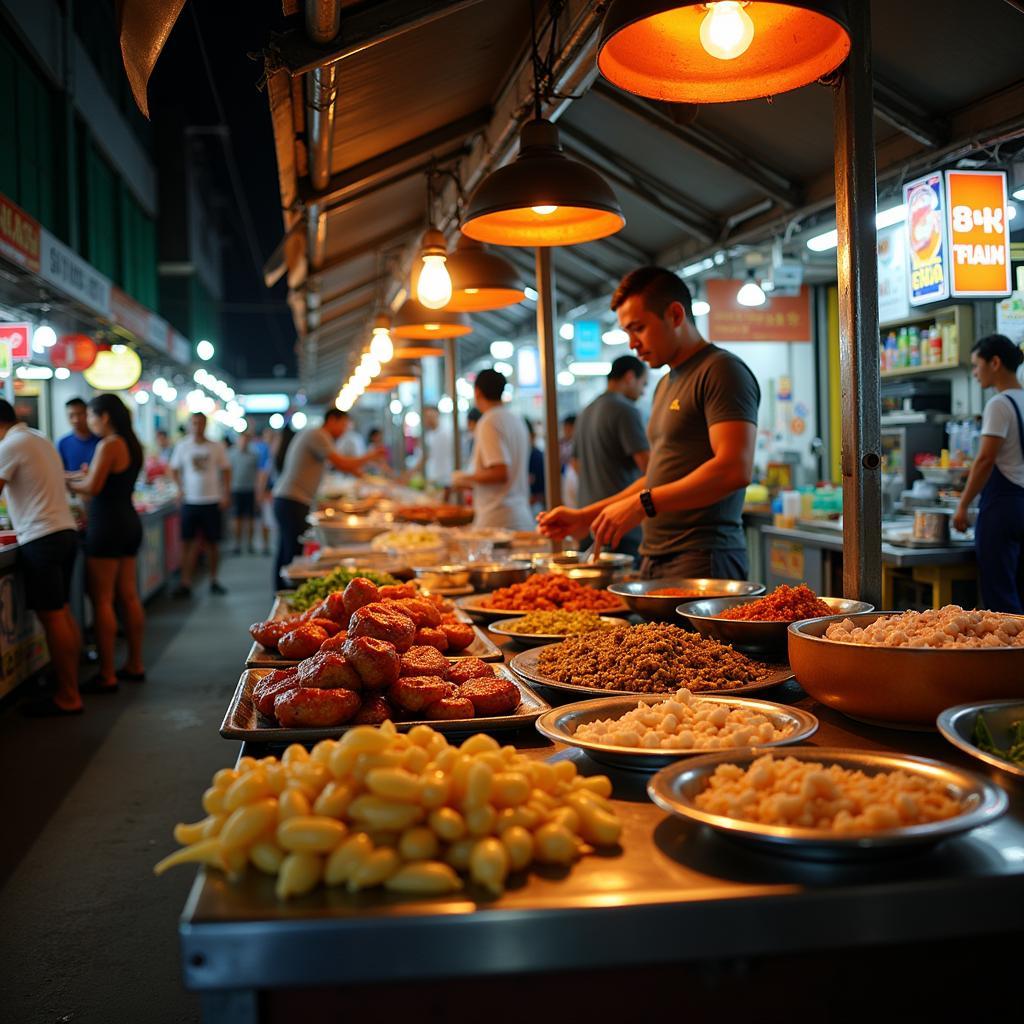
<point x="32" y="480"/>
<point x="202" y="472"/>
<point x="245" y="469"/>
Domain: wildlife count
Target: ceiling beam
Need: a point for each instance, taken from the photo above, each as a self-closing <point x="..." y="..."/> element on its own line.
<point x="345" y="183"/>
<point x="582" y="259"/>
<point x="895" y="108"/>
<point x="334" y="313"/>
<point x="623" y="247"/>
<point x="370" y="247"/>
<point x="362" y="26"/>
<point x="658" y="115"/>
<point x="328" y="300"/>
<point x="523" y="259"/>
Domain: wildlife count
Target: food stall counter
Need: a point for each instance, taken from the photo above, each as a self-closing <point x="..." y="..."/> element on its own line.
<point x="680" y="893"/>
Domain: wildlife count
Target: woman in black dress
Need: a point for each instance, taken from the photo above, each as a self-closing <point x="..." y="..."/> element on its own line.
<point x="112" y="539"/>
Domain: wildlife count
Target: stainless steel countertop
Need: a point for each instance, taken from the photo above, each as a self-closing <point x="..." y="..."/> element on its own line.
<point x="832" y="540"/>
<point x="674" y="892"/>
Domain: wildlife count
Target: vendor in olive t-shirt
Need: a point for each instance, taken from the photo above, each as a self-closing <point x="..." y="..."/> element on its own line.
<point x="702" y="432"/>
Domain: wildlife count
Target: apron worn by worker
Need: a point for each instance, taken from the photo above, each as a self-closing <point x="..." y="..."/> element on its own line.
<point x="998" y="534"/>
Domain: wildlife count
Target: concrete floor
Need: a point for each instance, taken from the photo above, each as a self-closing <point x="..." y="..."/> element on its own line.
<point x="88" y="934"/>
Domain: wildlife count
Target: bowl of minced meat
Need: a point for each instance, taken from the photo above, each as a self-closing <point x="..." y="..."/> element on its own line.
<point x="649" y="658"/>
<point x="903" y="668"/>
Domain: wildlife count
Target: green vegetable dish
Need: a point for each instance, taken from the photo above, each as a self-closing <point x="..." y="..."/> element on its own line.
<point x="983" y="740"/>
<point x="313" y="591"/>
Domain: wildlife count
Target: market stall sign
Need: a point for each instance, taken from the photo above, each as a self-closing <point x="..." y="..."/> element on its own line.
<point x="128" y="314"/>
<point x="65" y="269"/>
<point x="781" y="318"/>
<point x="586" y="341"/>
<point x="979" y="235"/>
<point x="116" y="369"/>
<point x="76" y="352"/>
<point x="893" y="304"/>
<point x="925" y="200"/>
<point x="17" y="337"/>
<point x="19" y="236"/>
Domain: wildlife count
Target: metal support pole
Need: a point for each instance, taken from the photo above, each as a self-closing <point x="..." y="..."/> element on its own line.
<point x="858" y="316"/>
<point x="423" y="429"/>
<point x="451" y="367"/>
<point x="546" y="344"/>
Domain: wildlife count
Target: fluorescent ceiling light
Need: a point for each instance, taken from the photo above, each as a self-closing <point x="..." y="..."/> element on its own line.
<point x="502" y="349"/>
<point x="531" y="293"/>
<point x="883" y="219"/>
<point x="1019" y="194"/>
<point x="299" y="420"/>
<point x="34" y="372"/>
<point x="566" y="332"/>
<point x="445" y="405"/>
<point x="590" y="369"/>
<point x="616" y="336"/>
<point x="697" y="268"/>
<point x="395" y="406"/>
<point x="566" y="379"/>
<point x="505" y="369"/>
<point x="701" y="308"/>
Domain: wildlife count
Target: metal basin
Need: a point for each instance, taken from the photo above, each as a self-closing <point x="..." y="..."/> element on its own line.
<point x="442" y="577"/>
<point x="662" y="608"/>
<point x="577" y="566"/>
<point x="491" y="575"/>
<point x="765" y="639"/>
<point x="902" y="687"/>
<point x="957" y="726"/>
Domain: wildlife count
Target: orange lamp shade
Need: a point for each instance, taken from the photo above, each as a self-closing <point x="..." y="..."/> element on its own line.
<point x="482" y="280"/>
<point x="418" y="352"/>
<point x="542" y="198"/>
<point x="654" y="49"/>
<point x="414" y="321"/>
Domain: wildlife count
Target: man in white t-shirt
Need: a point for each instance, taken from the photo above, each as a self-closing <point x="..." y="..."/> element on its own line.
<point x="32" y="480"/>
<point x="202" y="472"/>
<point x="350" y="443"/>
<point x="501" y="457"/>
<point x="439" y="463"/>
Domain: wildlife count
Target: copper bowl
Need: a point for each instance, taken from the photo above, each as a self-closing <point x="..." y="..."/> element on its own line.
<point x="899" y="687"/>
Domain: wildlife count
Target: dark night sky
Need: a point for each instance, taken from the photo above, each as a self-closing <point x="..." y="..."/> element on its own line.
<point x="254" y="340"/>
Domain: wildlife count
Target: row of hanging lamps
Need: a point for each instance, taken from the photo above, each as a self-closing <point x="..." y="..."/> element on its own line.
<point x="482" y="280"/>
<point x="720" y="52"/>
<point x="382" y="348"/>
<point x="413" y="320"/>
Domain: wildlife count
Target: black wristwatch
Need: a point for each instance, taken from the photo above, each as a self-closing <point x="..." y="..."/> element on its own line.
<point x="648" y="503"/>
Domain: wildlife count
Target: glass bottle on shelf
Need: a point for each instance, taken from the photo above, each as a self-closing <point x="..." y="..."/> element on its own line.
<point x="890" y="349"/>
<point x="914" y="347"/>
<point x="903" y="349"/>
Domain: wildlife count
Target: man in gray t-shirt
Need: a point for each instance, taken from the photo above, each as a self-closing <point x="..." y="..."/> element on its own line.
<point x="702" y="431"/>
<point x="610" y="448"/>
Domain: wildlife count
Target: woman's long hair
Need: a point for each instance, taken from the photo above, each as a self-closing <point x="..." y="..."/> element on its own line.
<point x="121" y="421"/>
<point x="284" y="440"/>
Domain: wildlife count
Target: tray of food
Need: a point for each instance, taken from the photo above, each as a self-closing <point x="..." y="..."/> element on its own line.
<point x="365" y="684"/>
<point x="991" y="731"/>
<point x="656" y="600"/>
<point x="542" y="592"/>
<point x="650" y="658"/>
<point x="445" y="515"/>
<point x="419" y="545"/>
<point x="536" y="628"/>
<point x="821" y="803"/>
<point x="647" y="733"/>
<point x="286" y="638"/>
<point x="759" y="625"/>
<point x="903" y="669"/>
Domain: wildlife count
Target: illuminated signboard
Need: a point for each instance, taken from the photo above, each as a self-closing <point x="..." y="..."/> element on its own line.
<point x="926" y="236"/>
<point x="979" y="236"/>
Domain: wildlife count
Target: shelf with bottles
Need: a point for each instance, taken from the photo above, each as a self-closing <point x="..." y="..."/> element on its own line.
<point x="927" y="342"/>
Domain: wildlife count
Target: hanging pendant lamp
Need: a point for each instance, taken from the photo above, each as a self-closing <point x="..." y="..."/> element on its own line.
<point x="719" y="52"/>
<point x="482" y="280"/>
<point x="542" y="198"/>
<point x="418" y="352"/>
<point x="381" y="347"/>
<point x="414" y="320"/>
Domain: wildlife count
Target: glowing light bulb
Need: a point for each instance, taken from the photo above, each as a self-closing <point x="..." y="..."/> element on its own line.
<point x="727" y="30"/>
<point x="381" y="347"/>
<point x="434" y="289"/>
<point x="372" y="366"/>
<point x="750" y="294"/>
<point x="431" y="327"/>
<point x="701" y="308"/>
<point x="544" y="211"/>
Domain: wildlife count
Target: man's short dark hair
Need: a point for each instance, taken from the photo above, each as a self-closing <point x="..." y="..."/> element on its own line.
<point x="624" y="365"/>
<point x="7" y="413"/>
<point x="334" y="413"/>
<point x="202" y="414"/>
<point x="570" y="420"/>
<point x="74" y="401"/>
<point x="473" y="415"/>
<point x="658" y="287"/>
<point x="491" y="384"/>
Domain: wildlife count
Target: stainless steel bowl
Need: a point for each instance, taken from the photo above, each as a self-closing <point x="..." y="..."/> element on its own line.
<point x="903" y="687"/>
<point x="339" y="530"/>
<point x="765" y="639"/>
<point x="560" y="726"/>
<point x="932" y="524"/>
<point x="655" y="608"/>
<point x="577" y="566"/>
<point x="674" y="789"/>
<point x="957" y="726"/>
<point x="442" y="577"/>
<point x="491" y="575"/>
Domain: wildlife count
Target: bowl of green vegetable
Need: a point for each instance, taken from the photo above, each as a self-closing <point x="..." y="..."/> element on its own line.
<point x="990" y="731"/>
<point x="314" y="591"/>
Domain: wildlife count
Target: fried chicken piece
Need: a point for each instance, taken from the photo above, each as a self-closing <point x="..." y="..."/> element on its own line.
<point x="329" y="670"/>
<point x="335" y="643"/>
<point x="359" y="591"/>
<point x="331" y="607"/>
<point x="460" y="635"/>
<point x="469" y="668"/>
<point x="301" y="642"/>
<point x="414" y="693"/>
<point x="421" y="660"/>
<point x="307" y="707"/>
<point x="429" y="636"/>
<point x="496" y="696"/>
<point x="374" y="710"/>
<point x="267" y="689"/>
<point x="268" y="633"/>
<point x="384" y="623"/>
<point x="398" y="592"/>
<point x="422" y="613"/>
<point x="329" y="626"/>
<point x="449" y="708"/>
<point x="375" y="660"/>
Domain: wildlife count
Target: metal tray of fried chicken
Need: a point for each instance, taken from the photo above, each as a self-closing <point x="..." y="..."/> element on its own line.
<point x="243" y="721"/>
<point x="482" y="647"/>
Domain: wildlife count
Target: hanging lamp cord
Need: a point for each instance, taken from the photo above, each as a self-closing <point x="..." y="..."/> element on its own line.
<point x="543" y="67"/>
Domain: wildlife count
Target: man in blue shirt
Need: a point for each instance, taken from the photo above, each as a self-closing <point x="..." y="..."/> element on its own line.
<point x="77" y="448"/>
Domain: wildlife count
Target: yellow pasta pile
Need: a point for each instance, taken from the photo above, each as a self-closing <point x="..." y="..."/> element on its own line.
<point x="404" y="810"/>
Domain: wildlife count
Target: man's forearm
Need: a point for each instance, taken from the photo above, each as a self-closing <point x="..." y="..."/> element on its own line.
<point x="599" y="506"/>
<point x="708" y="483"/>
<point x="981" y="470"/>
